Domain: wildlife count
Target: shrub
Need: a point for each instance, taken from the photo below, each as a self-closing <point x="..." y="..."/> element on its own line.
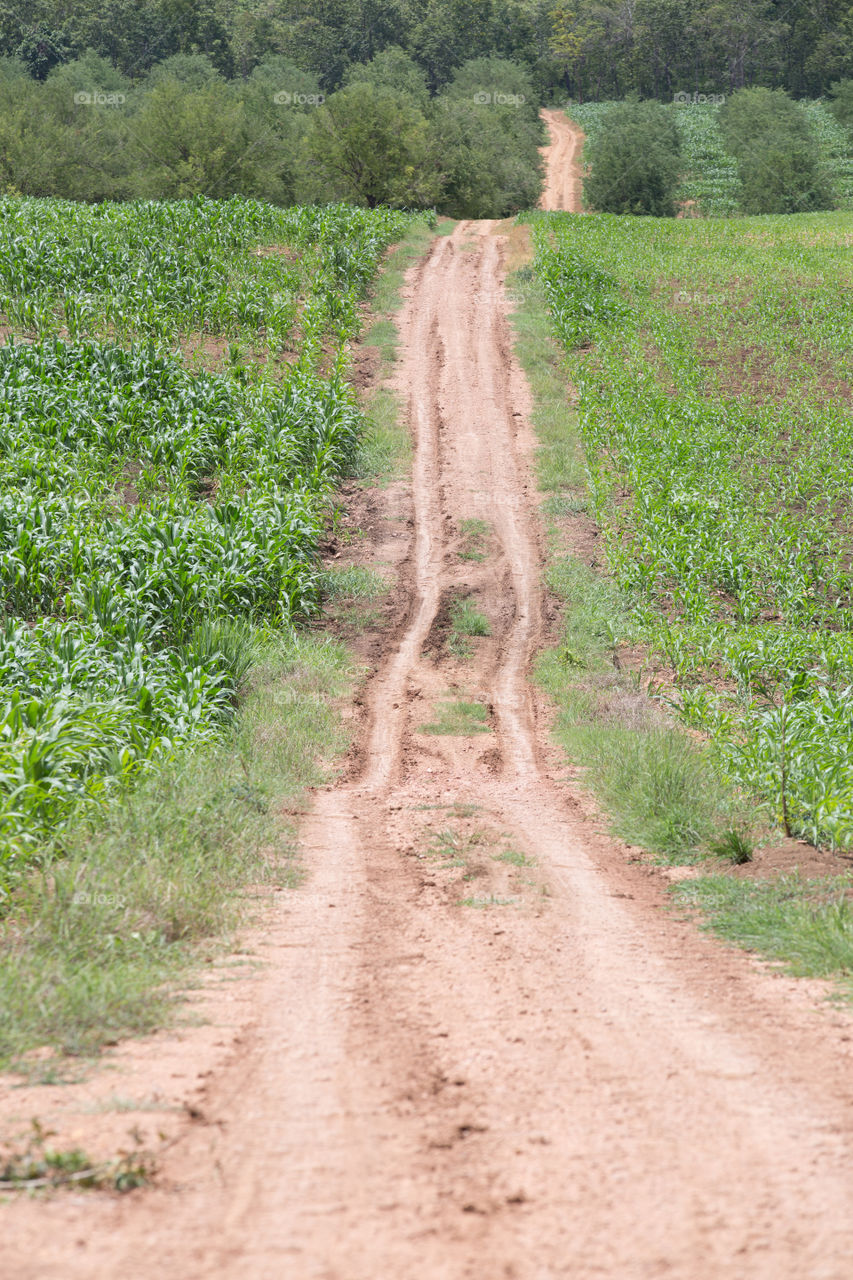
<point x="634" y="161"/>
<point x="841" y="105"/>
<point x="370" y="146"/>
<point x="776" y="153"/>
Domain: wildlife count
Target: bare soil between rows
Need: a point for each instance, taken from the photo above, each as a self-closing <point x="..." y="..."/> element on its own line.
<point x="475" y="1042"/>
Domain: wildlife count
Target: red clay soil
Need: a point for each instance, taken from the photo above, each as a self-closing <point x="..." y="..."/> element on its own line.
<point x="479" y="1046"/>
<point x="562" y="155"/>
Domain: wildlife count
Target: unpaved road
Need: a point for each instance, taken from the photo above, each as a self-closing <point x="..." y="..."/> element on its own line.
<point x="563" y="187"/>
<point x="558" y="1079"/>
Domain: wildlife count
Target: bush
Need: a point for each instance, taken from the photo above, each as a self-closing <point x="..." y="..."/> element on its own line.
<point x="776" y="152"/>
<point x="370" y="146"/>
<point x="634" y="161"/>
<point x="491" y="166"/>
<point x="488" y="133"/>
<point x="841" y="105"/>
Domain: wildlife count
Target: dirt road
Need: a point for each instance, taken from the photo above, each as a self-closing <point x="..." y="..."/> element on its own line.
<point x="562" y="164"/>
<point x="480" y="1047"/>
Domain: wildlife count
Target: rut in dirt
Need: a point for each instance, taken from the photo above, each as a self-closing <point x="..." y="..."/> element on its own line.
<point x="496" y="1069"/>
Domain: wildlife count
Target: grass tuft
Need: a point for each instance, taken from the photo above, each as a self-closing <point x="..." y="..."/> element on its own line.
<point x="735" y="847"/>
<point x="467" y="620"/>
<point x="474" y="534"/>
<point x="459" y="719"/>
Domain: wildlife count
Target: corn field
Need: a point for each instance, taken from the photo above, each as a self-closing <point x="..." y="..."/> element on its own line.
<point x="150" y="513"/>
<point x="713" y="362"/>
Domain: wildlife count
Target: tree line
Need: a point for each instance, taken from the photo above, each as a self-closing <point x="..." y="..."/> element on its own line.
<point x="86" y="131"/>
<point x="635" y="157"/>
<point x="584" y="49"/>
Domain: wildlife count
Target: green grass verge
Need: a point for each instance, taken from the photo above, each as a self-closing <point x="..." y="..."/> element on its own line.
<point x="385" y="452"/>
<point x="99" y="945"/>
<point x="805" y="924"/>
<point x="655" y="782"/>
<point x="387" y="296"/>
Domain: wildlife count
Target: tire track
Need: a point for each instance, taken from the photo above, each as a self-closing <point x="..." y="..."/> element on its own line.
<point x="563" y="186"/>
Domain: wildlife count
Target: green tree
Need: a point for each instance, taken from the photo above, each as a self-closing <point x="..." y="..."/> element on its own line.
<point x="279" y="97"/>
<point x="490" y="158"/>
<point x="371" y="146"/>
<point x="776" y="153"/>
<point x="841" y="104"/>
<point x="43" y="47"/>
<point x="199" y="141"/>
<point x="67" y="136"/>
<point x="634" y="162"/>
<point x="392" y="69"/>
<point x="504" y="84"/>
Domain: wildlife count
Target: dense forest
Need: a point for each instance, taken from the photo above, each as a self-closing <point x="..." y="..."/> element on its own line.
<point x="583" y="49"/>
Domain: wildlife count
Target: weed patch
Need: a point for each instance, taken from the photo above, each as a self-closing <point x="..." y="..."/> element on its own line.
<point x="36" y="1166"/>
<point x="805" y="924"/>
<point x="459" y="719"/>
<point x="352" y="596"/>
<point x="474" y="535"/>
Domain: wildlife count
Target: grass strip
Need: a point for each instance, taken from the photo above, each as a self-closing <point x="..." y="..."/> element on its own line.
<point x="806" y="924"/>
<point x="654" y="781"/>
<point x="460" y="719"/>
<point x="385" y="451"/>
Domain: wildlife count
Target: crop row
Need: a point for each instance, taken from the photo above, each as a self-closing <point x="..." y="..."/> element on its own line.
<point x="236" y="267"/>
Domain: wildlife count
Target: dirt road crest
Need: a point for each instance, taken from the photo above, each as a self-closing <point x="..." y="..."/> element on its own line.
<point x="562" y="157"/>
